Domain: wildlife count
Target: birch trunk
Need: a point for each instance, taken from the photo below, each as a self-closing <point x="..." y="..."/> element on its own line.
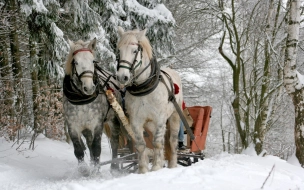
<point x="292" y="83"/>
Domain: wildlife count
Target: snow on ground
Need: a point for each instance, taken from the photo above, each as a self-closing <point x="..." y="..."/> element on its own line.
<point x="52" y="166"/>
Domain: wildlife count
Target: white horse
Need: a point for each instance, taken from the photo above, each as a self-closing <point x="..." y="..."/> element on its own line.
<point x="147" y="97"/>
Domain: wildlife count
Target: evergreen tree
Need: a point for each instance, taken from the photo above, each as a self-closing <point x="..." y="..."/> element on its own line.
<point x="159" y="21"/>
<point x="47" y="24"/>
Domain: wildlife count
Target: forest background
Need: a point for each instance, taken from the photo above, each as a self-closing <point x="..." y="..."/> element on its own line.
<point x="242" y="57"/>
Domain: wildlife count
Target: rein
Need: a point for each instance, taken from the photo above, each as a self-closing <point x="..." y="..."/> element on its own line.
<point x="106" y="80"/>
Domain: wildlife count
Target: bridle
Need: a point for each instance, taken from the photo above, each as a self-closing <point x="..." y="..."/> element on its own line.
<point x="70" y="89"/>
<point x="92" y="74"/>
<point x="74" y="63"/>
<point x="133" y="66"/>
<point x="147" y="86"/>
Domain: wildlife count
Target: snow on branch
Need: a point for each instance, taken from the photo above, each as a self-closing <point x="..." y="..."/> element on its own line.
<point x="159" y="13"/>
<point x="300" y="82"/>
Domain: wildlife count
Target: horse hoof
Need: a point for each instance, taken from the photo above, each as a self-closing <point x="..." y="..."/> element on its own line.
<point x="155" y="168"/>
<point x="174" y="165"/>
<point x="84" y="170"/>
<point x="142" y="170"/>
<point x="95" y="171"/>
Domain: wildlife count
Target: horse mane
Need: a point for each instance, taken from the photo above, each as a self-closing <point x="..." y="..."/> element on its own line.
<point x="144" y="42"/>
<point x="77" y="45"/>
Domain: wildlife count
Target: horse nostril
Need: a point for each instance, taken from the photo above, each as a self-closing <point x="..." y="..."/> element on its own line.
<point x="85" y="89"/>
<point x="126" y="78"/>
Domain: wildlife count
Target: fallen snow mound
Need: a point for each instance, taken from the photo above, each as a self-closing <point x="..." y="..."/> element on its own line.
<point x="52" y="165"/>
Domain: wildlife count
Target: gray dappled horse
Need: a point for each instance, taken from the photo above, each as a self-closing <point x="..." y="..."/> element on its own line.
<point x="85" y="104"/>
<point x="147" y="99"/>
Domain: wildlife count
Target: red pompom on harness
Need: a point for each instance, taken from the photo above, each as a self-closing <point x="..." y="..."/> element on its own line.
<point x="109" y="88"/>
<point x="176" y="89"/>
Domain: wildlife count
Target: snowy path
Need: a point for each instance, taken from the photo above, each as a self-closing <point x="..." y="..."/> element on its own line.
<point x="52" y="166"/>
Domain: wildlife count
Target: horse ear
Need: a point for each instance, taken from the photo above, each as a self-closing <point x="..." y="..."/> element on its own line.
<point x="141" y="34"/>
<point x="120" y="31"/>
<point x="92" y="44"/>
<point x="71" y="43"/>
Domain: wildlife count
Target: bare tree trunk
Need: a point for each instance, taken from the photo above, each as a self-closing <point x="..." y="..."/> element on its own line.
<point x="6" y="73"/>
<point x="236" y="69"/>
<point x="294" y="86"/>
<point x="14" y="41"/>
<point x="35" y="83"/>
<point x="261" y="120"/>
<point x="16" y="64"/>
<point x="222" y="128"/>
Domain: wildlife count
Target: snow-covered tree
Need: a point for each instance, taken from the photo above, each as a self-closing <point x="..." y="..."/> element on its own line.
<point x="46" y="26"/>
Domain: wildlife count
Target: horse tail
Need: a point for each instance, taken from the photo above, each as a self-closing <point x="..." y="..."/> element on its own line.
<point x="168" y="151"/>
<point x="108" y="133"/>
<point x="107" y="130"/>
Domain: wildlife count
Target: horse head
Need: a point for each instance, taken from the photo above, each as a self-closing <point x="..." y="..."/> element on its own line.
<point x="135" y="53"/>
<point x="80" y="65"/>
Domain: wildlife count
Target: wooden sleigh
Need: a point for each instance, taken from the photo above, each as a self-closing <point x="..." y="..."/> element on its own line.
<point x="201" y="118"/>
<point x="127" y="156"/>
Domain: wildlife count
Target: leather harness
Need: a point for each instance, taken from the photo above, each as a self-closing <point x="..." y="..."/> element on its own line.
<point x="75" y="95"/>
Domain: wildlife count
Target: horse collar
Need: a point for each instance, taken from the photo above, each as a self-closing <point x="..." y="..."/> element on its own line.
<point x="75" y="96"/>
<point x="150" y="84"/>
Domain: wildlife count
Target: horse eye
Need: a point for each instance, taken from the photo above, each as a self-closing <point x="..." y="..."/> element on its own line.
<point x="135" y="51"/>
<point x="76" y="63"/>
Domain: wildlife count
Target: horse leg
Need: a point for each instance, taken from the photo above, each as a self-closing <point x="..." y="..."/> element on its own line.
<point x="78" y="145"/>
<point x="174" y="121"/>
<point x="140" y="146"/>
<point x="96" y="145"/>
<point x="114" y="140"/>
<point x="158" y="143"/>
<point x="89" y="139"/>
<point x="79" y="152"/>
<point x="93" y="144"/>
